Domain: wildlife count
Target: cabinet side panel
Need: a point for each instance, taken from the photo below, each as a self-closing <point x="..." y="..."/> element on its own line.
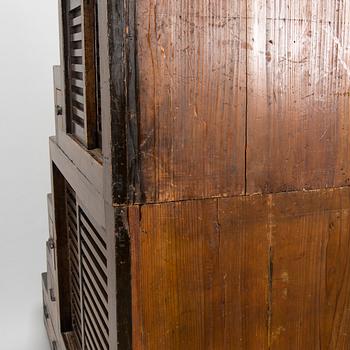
<point x="255" y="272"/>
<point x="311" y="270"/>
<point x="192" y="94"/>
<point x="195" y="284"/>
<point x="298" y="95"/>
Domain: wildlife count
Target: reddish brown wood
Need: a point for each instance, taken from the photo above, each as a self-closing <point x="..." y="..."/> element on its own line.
<point x="255" y="272"/>
<point x="192" y="96"/>
<point x="158" y="236"/>
<point x="311" y="275"/>
<point x="195" y="284"/>
<point x="298" y="105"/>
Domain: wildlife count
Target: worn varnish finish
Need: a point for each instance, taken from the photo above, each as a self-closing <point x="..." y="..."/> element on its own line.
<point x="298" y="95"/>
<point x="257" y="272"/>
<point x="195" y="284"/>
<point x="192" y="102"/>
<point x="199" y="202"/>
<point x="311" y="274"/>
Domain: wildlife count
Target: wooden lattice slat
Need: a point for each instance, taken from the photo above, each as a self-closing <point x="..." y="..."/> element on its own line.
<point x="82" y="76"/>
<point x="94" y="285"/>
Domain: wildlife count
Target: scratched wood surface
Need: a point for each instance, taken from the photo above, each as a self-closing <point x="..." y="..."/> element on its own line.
<point x="311" y="272"/>
<point x="255" y="272"/>
<point x="298" y="95"/>
<point x="191" y="77"/>
<point x="204" y="99"/>
<point x="242" y="97"/>
<point x="197" y="287"/>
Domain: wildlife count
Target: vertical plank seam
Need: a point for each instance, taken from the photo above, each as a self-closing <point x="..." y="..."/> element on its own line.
<point x="246" y="101"/>
<point x="218" y="232"/>
<point x="270" y="271"/>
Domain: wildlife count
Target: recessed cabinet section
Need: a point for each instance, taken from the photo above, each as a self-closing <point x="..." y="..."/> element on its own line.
<point x="83" y="119"/>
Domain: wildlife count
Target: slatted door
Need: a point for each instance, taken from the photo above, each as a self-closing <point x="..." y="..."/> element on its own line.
<point x="88" y="277"/>
<point x="82" y="76"/>
<point x="94" y="286"/>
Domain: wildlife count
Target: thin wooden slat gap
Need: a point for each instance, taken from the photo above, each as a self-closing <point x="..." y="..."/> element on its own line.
<point x="94" y="333"/>
<point x="100" y="297"/>
<point x="94" y="261"/>
<point x="94" y="278"/>
<point x="94" y="233"/>
<point x="103" y="318"/>
<point x="93" y="245"/>
<point x="92" y="313"/>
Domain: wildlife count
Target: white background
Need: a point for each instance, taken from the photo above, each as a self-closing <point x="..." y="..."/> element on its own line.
<point x="28" y="50"/>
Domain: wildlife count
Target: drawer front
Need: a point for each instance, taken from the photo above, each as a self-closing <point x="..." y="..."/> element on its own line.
<point x="59" y="109"/>
<point x="51" y="228"/>
<point x="49" y="314"/>
<point x="52" y="294"/>
<point x="50" y="253"/>
<point x="57" y="77"/>
<point x="50" y="206"/>
<point x="50" y="244"/>
<point x="59" y="100"/>
<point x="51" y="215"/>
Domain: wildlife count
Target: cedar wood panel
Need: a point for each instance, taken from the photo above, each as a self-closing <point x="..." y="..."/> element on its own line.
<point x="191" y="65"/>
<point x="240" y="97"/>
<point x="298" y="95"/>
<point x="254" y="272"/>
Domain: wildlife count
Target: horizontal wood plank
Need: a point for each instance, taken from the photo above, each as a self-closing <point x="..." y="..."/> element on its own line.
<point x="192" y="98"/>
<point x="251" y="272"/>
<point x="73" y="4"/>
<point x="196" y="284"/>
<point x="298" y="102"/>
<point x="77" y="36"/>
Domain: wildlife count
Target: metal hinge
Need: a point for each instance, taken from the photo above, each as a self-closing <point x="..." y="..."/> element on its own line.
<point x="46" y="312"/>
<point x="51" y="244"/>
<point x="59" y="110"/>
<point x="52" y="295"/>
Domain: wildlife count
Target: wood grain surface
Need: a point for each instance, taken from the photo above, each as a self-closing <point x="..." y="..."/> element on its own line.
<point x="209" y="220"/>
<point x="191" y="79"/>
<point x="298" y="95"/>
<point x="242" y="97"/>
<point x="254" y="272"/>
<point x="311" y="271"/>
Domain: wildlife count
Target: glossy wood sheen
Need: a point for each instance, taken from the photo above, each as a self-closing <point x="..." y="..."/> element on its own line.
<point x="183" y="232"/>
<point x="256" y="272"/>
<point x="192" y="98"/>
<point x="239" y="97"/>
<point x="298" y="100"/>
<point x="199" y="289"/>
<point x="311" y="274"/>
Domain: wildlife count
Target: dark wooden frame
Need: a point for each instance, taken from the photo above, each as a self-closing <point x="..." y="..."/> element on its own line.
<point x="87" y="133"/>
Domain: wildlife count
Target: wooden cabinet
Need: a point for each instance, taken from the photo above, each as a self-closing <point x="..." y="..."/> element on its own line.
<point x="200" y="173"/>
